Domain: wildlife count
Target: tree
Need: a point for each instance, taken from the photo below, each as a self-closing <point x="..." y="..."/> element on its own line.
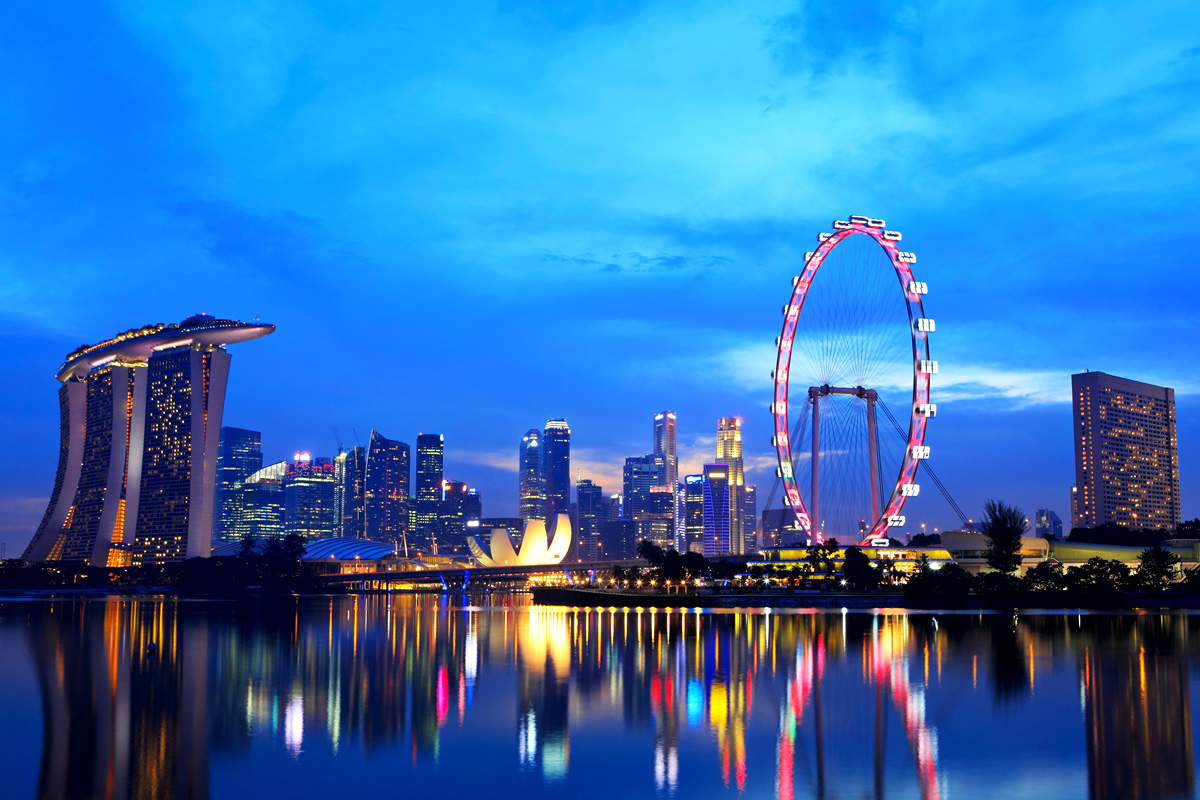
<point x="820" y="557"/>
<point x="651" y="552"/>
<point x="1046" y="576"/>
<point x="1003" y="525"/>
<point x="858" y="570"/>
<point x="1157" y="567"/>
<point x="695" y="564"/>
<point x="1098" y="575"/>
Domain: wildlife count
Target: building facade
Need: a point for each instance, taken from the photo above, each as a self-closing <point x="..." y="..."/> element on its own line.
<point x="718" y="507"/>
<point x="665" y="447"/>
<point x="556" y="465"/>
<point x="1046" y="524"/>
<point x="693" y="513"/>
<point x="385" y="490"/>
<point x="590" y="515"/>
<point x="1126" y="453"/>
<point x="428" y="495"/>
<point x="531" y="488"/>
<point x="239" y="454"/>
<point x="729" y="453"/>
<point x="260" y="503"/>
<point x="350" y="505"/>
<point x="308" y="495"/>
<point x="140" y="421"/>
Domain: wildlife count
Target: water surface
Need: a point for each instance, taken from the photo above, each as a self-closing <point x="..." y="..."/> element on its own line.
<point x="396" y="695"/>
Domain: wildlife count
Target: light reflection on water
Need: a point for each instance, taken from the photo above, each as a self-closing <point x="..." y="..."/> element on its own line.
<point x="337" y="696"/>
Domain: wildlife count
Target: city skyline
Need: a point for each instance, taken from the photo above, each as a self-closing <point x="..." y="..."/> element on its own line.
<point x="614" y="174"/>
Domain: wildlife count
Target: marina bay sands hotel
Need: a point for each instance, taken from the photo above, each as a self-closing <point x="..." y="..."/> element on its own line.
<point x="140" y="419"/>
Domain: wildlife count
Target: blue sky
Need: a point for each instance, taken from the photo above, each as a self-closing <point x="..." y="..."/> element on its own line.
<point x="466" y="218"/>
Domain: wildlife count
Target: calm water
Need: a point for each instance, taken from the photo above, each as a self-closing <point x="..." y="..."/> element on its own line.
<point x="391" y="696"/>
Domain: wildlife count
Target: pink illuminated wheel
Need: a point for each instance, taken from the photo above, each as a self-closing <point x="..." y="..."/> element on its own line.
<point x="855" y="349"/>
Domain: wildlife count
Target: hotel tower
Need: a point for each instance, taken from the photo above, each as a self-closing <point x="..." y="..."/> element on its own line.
<point x="1126" y="455"/>
<point x="140" y="421"/>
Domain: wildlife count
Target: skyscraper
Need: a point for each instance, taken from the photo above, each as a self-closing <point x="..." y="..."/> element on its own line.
<point x="385" y="492"/>
<point x="260" y="503"/>
<point x="591" y="513"/>
<point x="664" y="447"/>
<point x="140" y="423"/>
<point x="532" y="481"/>
<point x="1046" y="524"/>
<point x="693" y="513"/>
<point x="648" y="501"/>
<point x="718" y="504"/>
<point x="750" y="519"/>
<point x="430" y="452"/>
<point x="308" y="497"/>
<point x="729" y="452"/>
<point x="351" y="509"/>
<point x="453" y="515"/>
<point x="556" y="463"/>
<point x="239" y="453"/>
<point x="1126" y="455"/>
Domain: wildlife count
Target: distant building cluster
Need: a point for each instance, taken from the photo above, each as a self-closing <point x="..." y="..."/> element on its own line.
<point x="147" y="474"/>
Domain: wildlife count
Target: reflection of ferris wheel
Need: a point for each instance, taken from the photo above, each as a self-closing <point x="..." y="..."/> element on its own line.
<point x="853" y="345"/>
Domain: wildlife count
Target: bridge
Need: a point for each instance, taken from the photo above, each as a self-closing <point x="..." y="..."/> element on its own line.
<point x="462" y="579"/>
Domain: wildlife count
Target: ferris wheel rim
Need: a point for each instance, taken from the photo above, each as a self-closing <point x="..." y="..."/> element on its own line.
<point x="923" y="367"/>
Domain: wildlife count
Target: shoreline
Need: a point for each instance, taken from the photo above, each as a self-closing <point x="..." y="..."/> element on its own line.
<point x="577" y="597"/>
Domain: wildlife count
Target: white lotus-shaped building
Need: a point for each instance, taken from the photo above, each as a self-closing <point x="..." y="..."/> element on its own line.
<point x="536" y="546"/>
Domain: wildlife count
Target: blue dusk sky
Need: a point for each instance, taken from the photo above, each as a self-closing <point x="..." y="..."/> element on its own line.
<point x="466" y="218"/>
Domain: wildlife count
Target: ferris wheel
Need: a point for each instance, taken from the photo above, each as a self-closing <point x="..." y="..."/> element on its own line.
<point x="854" y="347"/>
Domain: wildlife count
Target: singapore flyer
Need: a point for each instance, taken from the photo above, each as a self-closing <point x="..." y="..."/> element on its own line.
<point x="851" y="385"/>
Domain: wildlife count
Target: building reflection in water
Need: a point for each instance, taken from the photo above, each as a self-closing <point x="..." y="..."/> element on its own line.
<point x="1138" y="711"/>
<point x="797" y="705"/>
<point x="118" y="720"/>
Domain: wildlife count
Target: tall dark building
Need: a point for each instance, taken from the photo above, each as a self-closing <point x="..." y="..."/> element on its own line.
<point x="749" y="519"/>
<point x="428" y="496"/>
<point x="460" y="504"/>
<point x="591" y="514"/>
<point x="1126" y="453"/>
<point x="648" y="501"/>
<point x="260" y="503"/>
<point x="308" y="497"/>
<point x="350" y="505"/>
<point x="1046" y="524"/>
<point x="385" y="492"/>
<point x="693" y="513"/>
<point x="140" y="425"/>
<point x="718" y="501"/>
<point x="532" y="478"/>
<point x="557" y="466"/>
<point x="239" y="454"/>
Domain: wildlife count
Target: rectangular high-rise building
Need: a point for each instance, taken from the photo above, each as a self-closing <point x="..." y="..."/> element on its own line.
<point x="350" y="504"/>
<point x="591" y="514"/>
<point x="1126" y="454"/>
<point x="385" y="490"/>
<point x="239" y="454"/>
<point x="260" y="503"/>
<point x="531" y="479"/>
<point x="428" y="497"/>
<point x="308" y="497"/>
<point x="718" y="506"/>
<point x="1046" y="524"/>
<point x="556" y="465"/>
<point x="750" y="519"/>
<point x="693" y="513"/>
<point x="729" y="453"/>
